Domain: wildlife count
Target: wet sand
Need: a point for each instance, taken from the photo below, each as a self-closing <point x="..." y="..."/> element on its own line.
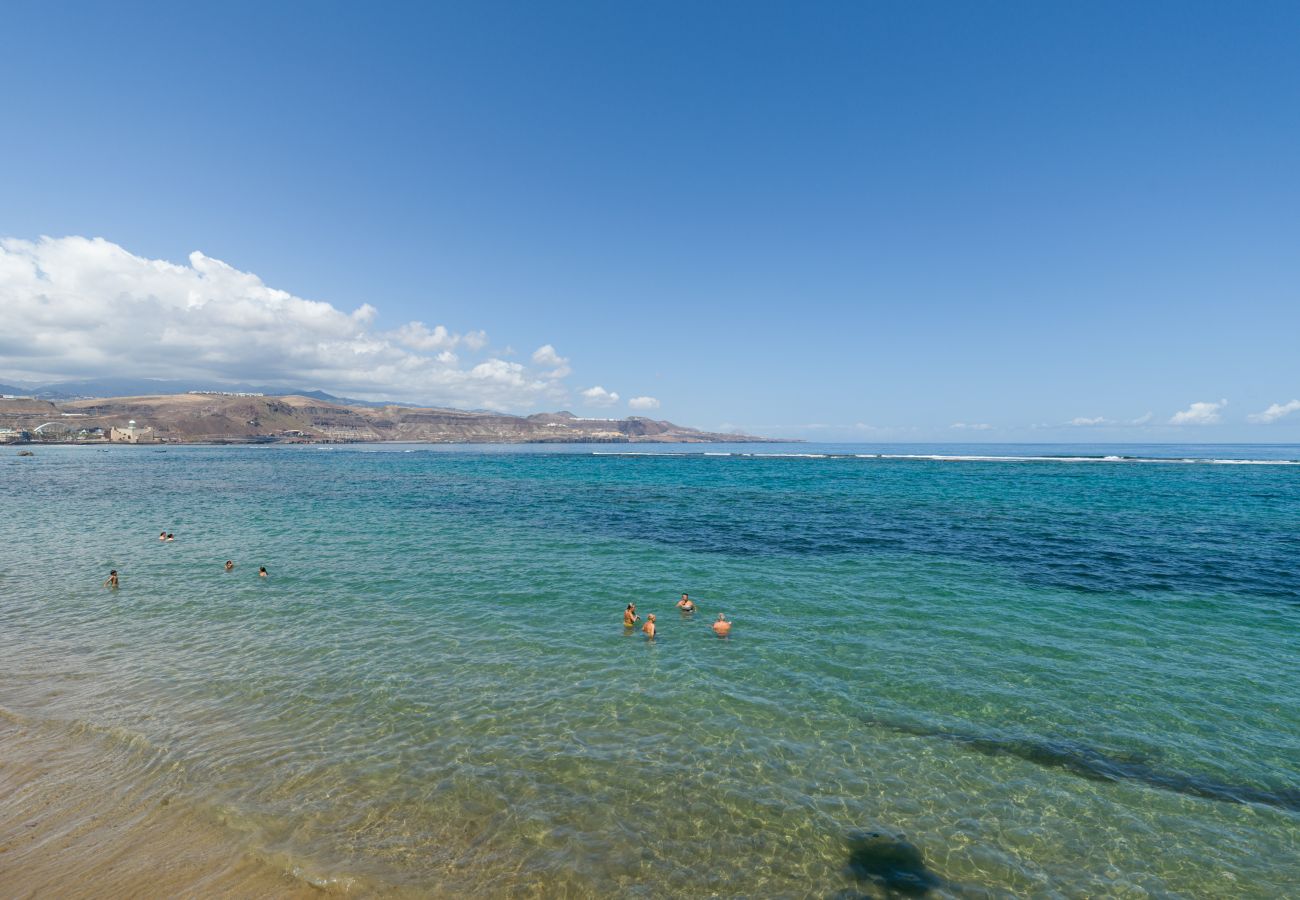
<point x="77" y="821"/>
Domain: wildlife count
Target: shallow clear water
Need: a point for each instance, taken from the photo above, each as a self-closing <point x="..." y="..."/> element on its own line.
<point x="1058" y="678"/>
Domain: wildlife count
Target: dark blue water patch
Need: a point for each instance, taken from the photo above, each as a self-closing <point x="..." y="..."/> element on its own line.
<point x="1083" y="527"/>
<point x="1093" y="764"/>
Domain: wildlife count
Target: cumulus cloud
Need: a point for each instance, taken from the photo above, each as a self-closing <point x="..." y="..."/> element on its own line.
<point x="418" y="336"/>
<point x="546" y="356"/>
<point x="1200" y="413"/>
<point x="80" y="308"/>
<point x="1274" y="412"/>
<point x="971" y="426"/>
<point x="1100" y="422"/>
<point x="598" y="396"/>
<point x="643" y="403"/>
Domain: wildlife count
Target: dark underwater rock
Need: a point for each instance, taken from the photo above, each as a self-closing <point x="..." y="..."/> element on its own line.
<point x="891" y="862"/>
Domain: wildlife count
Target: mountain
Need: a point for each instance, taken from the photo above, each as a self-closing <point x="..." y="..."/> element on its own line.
<point x="141" y="387"/>
<point x="190" y="418"/>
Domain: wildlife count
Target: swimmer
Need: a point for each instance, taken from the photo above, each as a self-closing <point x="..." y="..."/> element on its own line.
<point x="261" y="572"/>
<point x="170" y="536"/>
<point x="686" y="604"/>
<point x="162" y="535"/>
<point x="111" y="580"/>
<point x="722" y="627"/>
<point x="630" y="617"/>
<point x="649" y="626"/>
<point x="230" y="564"/>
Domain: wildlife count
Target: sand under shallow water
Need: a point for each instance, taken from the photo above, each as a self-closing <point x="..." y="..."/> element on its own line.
<point x="82" y="818"/>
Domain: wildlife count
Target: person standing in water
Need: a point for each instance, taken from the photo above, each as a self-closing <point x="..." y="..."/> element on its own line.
<point x="261" y="572"/>
<point x="649" y="626"/>
<point x="630" y="617"/>
<point x="722" y="627"/>
<point x="111" y="581"/>
<point x="686" y="604"/>
<point x="230" y="564"/>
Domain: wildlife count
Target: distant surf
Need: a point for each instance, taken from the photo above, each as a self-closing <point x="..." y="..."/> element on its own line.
<point x="963" y="457"/>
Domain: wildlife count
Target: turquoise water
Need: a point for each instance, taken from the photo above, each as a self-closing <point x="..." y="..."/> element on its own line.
<point x="1068" y="678"/>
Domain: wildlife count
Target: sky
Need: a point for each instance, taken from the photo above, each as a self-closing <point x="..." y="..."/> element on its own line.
<point x="856" y="221"/>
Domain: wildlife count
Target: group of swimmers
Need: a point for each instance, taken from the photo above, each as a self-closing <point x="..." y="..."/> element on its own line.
<point x="112" y="581"/>
<point x="721" y="627"/>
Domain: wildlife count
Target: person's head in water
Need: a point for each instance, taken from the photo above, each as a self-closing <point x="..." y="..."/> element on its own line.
<point x="261" y="572"/>
<point x="170" y="536"/>
<point x="162" y="535"/>
<point x="230" y="564"/>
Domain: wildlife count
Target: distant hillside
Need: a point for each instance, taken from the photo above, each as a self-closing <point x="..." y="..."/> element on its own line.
<point x="157" y="387"/>
<point x="192" y="418"/>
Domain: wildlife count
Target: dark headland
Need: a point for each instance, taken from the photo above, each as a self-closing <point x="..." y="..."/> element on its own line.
<point x="226" y="418"/>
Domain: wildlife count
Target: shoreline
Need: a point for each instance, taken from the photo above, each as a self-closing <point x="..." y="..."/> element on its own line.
<point x="82" y="818"/>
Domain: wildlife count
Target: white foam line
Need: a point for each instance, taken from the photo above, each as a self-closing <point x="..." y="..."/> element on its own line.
<point x="1082" y="459"/>
<point x="938" y="457"/>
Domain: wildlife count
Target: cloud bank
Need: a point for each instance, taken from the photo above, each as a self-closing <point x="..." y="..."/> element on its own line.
<point x="598" y="396"/>
<point x="1274" y="412"/>
<point x="1200" y="413"/>
<point x="83" y="308"/>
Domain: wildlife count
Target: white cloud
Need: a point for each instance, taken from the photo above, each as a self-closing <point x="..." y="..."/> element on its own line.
<point x="1274" y="412"/>
<point x="971" y="426"/>
<point x="418" y="336"/>
<point x="80" y="308"/>
<point x="1143" y="419"/>
<point x="1200" y="413"/>
<point x="598" y="396"/>
<point x="545" y="355"/>
<point x="1085" y="422"/>
<point x="643" y="403"/>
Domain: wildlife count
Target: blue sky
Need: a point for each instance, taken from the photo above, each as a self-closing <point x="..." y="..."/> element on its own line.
<point x="839" y="221"/>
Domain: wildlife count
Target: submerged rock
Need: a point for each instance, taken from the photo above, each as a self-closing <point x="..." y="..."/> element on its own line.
<point x="891" y="862"/>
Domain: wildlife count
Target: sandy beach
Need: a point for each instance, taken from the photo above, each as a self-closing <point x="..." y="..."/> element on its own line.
<point x="80" y="818"/>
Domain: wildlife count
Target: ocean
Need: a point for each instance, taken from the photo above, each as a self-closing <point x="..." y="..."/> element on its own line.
<point x="967" y="671"/>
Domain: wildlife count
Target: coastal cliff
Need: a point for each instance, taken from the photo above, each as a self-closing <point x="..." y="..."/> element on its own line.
<point x="204" y="418"/>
